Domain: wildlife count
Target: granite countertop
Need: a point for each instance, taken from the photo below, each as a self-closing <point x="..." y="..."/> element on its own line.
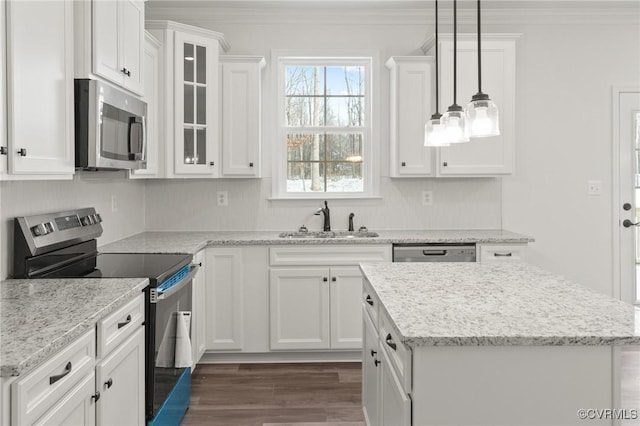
<point x="194" y="241"/>
<point x="475" y="304"/>
<point x="40" y="317"/>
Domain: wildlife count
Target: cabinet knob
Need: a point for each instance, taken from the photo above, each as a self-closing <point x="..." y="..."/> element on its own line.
<point x="212" y="163"/>
<point x="403" y="164"/>
<point x="250" y="164"/>
<point x="334" y="279"/>
<point x="109" y="383"/>
<point x="445" y="164"/>
<point x="369" y="300"/>
<point x="376" y="362"/>
<point x="3" y="150"/>
<point x="373" y="353"/>
<point x="96" y="397"/>
<point x="126" y="72"/>
<point x="22" y="152"/>
<point x="325" y="279"/>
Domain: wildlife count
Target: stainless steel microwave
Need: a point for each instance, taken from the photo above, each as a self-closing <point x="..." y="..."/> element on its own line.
<point x="110" y="127"/>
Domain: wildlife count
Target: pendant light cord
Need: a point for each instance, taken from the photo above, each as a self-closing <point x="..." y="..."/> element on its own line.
<point x="455" y="50"/>
<point x="437" y="71"/>
<point x="479" y="54"/>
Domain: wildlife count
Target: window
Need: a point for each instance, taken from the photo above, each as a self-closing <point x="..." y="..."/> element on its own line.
<point x="324" y="115"/>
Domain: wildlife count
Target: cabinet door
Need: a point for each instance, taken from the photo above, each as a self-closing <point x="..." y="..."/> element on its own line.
<point x="346" y="315"/>
<point x="106" y="30"/>
<point x="481" y="156"/>
<point x="395" y="405"/>
<point x="40" y="87"/>
<point x="131" y="43"/>
<point x="241" y="119"/>
<point x="370" y="372"/>
<point x="120" y="381"/>
<point x="196" y="97"/>
<point x="299" y="308"/>
<point x="224" y="299"/>
<point x="152" y="98"/>
<point x="77" y="407"/>
<point x="198" y="308"/>
<point x="411" y="97"/>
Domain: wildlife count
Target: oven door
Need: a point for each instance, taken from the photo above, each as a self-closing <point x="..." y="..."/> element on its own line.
<point x="169" y="349"/>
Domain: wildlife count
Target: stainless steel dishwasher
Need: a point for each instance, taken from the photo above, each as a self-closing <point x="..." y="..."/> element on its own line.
<point x="434" y="252"/>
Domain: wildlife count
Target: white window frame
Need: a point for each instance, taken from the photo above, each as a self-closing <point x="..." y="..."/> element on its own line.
<point x="371" y="169"/>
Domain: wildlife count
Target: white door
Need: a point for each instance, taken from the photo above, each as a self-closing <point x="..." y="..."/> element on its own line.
<point x="106" y="59"/>
<point x="131" y="43"/>
<point x="299" y="308"/>
<point x="346" y="315"/>
<point x="77" y="407"/>
<point x="626" y="129"/>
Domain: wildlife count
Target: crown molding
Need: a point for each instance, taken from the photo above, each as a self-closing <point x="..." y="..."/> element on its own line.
<point x="496" y="12"/>
<point x="178" y="26"/>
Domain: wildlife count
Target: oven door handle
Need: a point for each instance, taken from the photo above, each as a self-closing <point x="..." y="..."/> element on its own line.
<point x="193" y="270"/>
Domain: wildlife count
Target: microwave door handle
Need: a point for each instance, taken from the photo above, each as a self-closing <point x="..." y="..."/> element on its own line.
<point x="143" y="129"/>
<point x="136" y="121"/>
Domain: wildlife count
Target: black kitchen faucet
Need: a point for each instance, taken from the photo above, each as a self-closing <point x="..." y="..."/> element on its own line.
<point x="327" y="220"/>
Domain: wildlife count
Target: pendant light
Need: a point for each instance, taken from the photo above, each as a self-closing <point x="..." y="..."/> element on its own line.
<point x="482" y="112"/>
<point x="434" y="134"/>
<point x="454" y="120"/>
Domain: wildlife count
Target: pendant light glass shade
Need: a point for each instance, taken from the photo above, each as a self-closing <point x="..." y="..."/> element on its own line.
<point x="482" y="117"/>
<point x="482" y="112"/>
<point x="434" y="132"/>
<point x="455" y="124"/>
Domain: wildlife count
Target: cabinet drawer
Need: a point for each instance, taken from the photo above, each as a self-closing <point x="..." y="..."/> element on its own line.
<point x="328" y="255"/>
<point x="503" y="253"/>
<point x="117" y="326"/>
<point x="370" y="302"/>
<point x="39" y="390"/>
<point x="399" y="355"/>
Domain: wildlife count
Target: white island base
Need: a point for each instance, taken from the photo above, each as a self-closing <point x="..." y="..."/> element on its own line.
<point x="516" y="385"/>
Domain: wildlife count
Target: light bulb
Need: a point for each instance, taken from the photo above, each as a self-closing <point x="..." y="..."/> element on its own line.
<point x="434" y="133"/>
<point x="455" y="125"/>
<point x="482" y="115"/>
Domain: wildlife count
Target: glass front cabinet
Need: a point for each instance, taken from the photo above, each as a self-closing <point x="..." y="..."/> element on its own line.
<point x="190" y="99"/>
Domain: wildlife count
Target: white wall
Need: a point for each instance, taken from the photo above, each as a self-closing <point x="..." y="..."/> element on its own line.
<point x="568" y="59"/>
<point x="23" y="198"/>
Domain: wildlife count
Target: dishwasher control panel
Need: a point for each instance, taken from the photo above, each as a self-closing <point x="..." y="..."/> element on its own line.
<point x="434" y="252"/>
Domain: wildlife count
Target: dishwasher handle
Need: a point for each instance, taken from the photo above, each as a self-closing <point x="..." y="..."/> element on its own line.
<point x="434" y="252"/>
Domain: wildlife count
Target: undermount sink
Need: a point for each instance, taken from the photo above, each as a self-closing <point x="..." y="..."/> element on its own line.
<point x="329" y="234"/>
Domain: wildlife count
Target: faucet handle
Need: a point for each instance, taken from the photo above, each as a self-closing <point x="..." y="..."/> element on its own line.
<point x="303" y="229"/>
<point x="363" y="229"/>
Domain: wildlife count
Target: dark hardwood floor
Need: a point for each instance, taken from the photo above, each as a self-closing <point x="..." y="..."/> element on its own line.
<point x="276" y="395"/>
<point x="316" y="394"/>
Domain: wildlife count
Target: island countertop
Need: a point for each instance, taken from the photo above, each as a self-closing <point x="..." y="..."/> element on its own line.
<point x="39" y="317"/>
<point x="475" y="304"/>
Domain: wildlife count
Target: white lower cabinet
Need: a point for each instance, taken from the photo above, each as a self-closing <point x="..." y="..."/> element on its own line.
<point x="501" y="253"/>
<point x="121" y="384"/>
<point x="314" y="295"/>
<point x="199" y="309"/>
<point x="72" y="387"/>
<point x="370" y="371"/>
<point x="395" y="404"/>
<point x="77" y="407"/>
<point x="225" y="299"/>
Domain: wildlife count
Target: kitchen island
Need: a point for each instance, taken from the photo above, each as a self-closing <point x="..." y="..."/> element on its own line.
<point x="495" y="344"/>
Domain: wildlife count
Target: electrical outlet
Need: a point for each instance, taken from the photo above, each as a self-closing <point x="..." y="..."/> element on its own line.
<point x="114" y="203"/>
<point x="223" y="198"/>
<point x="594" y="187"/>
<point x="427" y="198"/>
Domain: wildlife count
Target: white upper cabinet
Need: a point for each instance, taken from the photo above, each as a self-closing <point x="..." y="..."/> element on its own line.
<point x="39" y="91"/>
<point x="491" y="156"/>
<point x="241" y="115"/>
<point x="118" y="35"/>
<point x="190" y="98"/>
<point x="155" y="144"/>
<point x="412" y="102"/>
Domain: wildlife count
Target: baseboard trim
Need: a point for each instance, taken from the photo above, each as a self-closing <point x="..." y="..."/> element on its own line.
<point x="280" y="357"/>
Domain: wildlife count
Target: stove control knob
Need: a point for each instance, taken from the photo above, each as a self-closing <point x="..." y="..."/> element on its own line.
<point x="86" y="220"/>
<point x="97" y="218"/>
<point x="40" y="229"/>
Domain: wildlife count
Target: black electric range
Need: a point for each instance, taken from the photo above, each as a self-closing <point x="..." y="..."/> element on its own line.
<point x="64" y="245"/>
